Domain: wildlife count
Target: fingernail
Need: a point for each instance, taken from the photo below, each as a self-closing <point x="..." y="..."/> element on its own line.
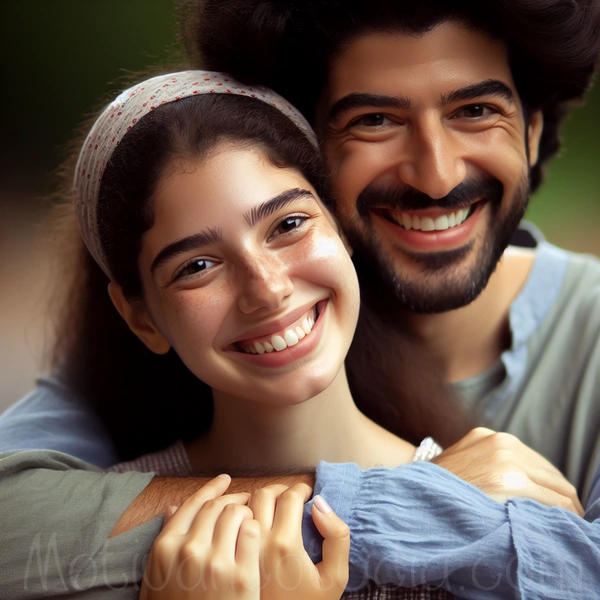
<point x="223" y="476"/>
<point x="321" y="505"/>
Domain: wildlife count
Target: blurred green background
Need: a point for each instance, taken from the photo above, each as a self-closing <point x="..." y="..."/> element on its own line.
<point x="63" y="58"/>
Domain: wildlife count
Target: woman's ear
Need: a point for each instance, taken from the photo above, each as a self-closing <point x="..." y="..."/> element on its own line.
<point x="534" y="134"/>
<point x="138" y="320"/>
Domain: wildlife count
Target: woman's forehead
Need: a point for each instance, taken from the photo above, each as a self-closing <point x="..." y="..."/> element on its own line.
<point x="221" y="192"/>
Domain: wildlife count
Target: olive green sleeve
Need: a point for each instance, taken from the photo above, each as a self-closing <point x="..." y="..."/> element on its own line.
<point x="56" y="513"/>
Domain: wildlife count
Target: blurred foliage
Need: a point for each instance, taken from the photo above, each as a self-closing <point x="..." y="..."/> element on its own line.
<point x="61" y="58"/>
<point x="567" y="207"/>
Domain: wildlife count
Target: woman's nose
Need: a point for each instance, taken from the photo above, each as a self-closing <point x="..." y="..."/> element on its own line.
<point x="264" y="283"/>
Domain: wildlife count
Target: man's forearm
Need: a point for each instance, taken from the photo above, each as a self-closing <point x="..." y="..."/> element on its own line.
<point x="172" y="491"/>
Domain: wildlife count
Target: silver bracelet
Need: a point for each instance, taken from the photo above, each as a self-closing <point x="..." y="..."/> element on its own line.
<point x="427" y="450"/>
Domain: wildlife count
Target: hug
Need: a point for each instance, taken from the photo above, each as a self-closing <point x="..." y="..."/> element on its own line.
<point x="234" y="338"/>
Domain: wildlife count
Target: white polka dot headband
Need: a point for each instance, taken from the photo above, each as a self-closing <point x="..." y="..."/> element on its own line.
<point x="129" y="107"/>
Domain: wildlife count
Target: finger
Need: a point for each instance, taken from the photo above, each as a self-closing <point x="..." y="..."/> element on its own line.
<point x="518" y="485"/>
<point x="247" y="554"/>
<point x="287" y="522"/>
<point x="227" y="529"/>
<point x="202" y="528"/>
<point x="556" y="482"/>
<point x="262" y="503"/>
<point x="336" y="543"/>
<point x="509" y="449"/>
<point x="171" y="510"/>
<point x="181" y="521"/>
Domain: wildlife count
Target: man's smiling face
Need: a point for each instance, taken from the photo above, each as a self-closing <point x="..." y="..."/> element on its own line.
<point x="426" y="143"/>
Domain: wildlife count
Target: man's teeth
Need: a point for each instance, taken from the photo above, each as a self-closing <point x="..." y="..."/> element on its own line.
<point x="441" y="223"/>
<point x="278" y="343"/>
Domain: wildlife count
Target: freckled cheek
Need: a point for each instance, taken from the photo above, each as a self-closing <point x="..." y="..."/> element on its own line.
<point x="194" y="320"/>
<point x="326" y="262"/>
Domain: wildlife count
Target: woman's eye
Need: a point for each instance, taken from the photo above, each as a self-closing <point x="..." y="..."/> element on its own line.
<point x="196" y="266"/>
<point x="289" y="224"/>
<point x="475" y="111"/>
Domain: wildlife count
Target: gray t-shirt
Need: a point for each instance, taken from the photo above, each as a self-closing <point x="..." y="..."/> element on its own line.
<point x="546" y="389"/>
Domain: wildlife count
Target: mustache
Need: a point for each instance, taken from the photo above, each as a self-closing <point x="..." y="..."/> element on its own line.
<point x="409" y="198"/>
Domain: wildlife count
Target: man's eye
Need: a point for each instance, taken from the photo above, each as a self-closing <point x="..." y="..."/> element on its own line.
<point x="371" y="120"/>
<point x="196" y="266"/>
<point x="289" y="224"/>
<point x="475" y="111"/>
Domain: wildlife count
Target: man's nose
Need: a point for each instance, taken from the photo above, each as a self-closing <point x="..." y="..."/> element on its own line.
<point x="264" y="283"/>
<point x="432" y="159"/>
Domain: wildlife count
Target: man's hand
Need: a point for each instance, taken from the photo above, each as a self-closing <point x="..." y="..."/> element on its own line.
<point x="503" y="467"/>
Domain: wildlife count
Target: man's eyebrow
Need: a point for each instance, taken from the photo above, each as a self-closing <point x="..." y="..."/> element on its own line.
<point x="272" y="205"/>
<point x="489" y="87"/>
<point x="356" y="100"/>
<point x="192" y="242"/>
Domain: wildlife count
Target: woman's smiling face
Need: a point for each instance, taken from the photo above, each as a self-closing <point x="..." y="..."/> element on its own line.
<point x="246" y="277"/>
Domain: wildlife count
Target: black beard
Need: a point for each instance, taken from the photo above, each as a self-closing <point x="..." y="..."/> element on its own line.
<point x="442" y="288"/>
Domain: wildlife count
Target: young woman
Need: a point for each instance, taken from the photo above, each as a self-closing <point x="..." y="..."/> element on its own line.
<point x="200" y="201"/>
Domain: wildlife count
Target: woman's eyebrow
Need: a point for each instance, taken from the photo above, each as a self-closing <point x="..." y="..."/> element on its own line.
<point x="192" y="242"/>
<point x="268" y="207"/>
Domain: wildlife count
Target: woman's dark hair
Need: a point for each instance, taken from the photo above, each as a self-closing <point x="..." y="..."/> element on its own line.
<point x="289" y="44"/>
<point x="149" y="401"/>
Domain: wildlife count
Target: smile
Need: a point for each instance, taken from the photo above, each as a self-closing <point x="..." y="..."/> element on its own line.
<point x="282" y="339"/>
<point x="439" y="222"/>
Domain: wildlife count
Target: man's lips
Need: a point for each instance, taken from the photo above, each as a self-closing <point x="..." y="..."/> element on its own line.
<point x="429" y="238"/>
<point x="426" y="220"/>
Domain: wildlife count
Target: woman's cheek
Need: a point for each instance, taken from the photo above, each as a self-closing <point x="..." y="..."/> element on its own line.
<point x="193" y="318"/>
<point x="328" y="264"/>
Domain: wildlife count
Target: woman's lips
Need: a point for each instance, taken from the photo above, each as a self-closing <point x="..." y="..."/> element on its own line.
<point x="282" y="339"/>
<point x="289" y="353"/>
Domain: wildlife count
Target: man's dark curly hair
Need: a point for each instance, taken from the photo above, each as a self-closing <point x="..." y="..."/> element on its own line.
<point x="288" y="44"/>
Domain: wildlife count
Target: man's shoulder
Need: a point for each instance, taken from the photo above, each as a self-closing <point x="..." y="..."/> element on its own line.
<point x="560" y="279"/>
<point x="581" y="280"/>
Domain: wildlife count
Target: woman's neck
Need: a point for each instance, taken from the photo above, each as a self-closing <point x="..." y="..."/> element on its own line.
<point x="329" y="427"/>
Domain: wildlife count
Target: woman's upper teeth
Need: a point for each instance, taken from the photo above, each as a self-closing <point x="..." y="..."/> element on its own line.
<point x="440" y="223"/>
<point x="282" y="340"/>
